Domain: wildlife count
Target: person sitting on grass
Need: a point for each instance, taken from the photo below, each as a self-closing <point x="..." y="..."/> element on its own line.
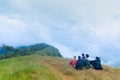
<point x="97" y="64"/>
<point x="79" y="64"/>
<point x="73" y="61"/>
<point x="87" y="62"/>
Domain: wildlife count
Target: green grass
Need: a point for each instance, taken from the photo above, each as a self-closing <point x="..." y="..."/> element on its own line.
<point x="25" y="68"/>
<point x="34" y="67"/>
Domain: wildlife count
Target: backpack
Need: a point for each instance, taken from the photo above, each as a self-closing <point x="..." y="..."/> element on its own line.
<point x="97" y="65"/>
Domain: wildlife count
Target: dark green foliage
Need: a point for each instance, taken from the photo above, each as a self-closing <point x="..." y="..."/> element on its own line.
<point x="50" y="51"/>
<point x="42" y="48"/>
<point x="37" y="47"/>
<point x="9" y="52"/>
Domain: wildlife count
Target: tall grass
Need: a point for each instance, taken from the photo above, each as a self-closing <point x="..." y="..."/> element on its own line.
<point x="62" y="65"/>
<point x="34" y="67"/>
<point x="25" y="68"/>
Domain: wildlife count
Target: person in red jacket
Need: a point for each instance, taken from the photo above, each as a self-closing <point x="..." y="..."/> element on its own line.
<point x="73" y="61"/>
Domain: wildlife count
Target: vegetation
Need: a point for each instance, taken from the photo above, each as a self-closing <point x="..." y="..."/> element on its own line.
<point x="9" y="51"/>
<point x="25" y="68"/>
<point x="44" y="62"/>
<point x="62" y="65"/>
<point x="36" y="67"/>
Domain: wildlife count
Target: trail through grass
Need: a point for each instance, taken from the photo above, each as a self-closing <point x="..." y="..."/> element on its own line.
<point x="34" y="67"/>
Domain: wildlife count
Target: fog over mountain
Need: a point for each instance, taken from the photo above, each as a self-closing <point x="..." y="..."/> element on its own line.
<point x="73" y="26"/>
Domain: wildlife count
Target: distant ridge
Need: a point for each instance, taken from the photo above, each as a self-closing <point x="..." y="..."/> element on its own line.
<point x="42" y="47"/>
<point x="39" y="48"/>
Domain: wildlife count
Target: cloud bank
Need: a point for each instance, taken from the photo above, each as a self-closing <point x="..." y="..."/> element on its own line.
<point x="74" y="27"/>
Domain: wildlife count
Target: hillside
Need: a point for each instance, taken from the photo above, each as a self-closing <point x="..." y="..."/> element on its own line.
<point x="36" y="67"/>
<point x="40" y="48"/>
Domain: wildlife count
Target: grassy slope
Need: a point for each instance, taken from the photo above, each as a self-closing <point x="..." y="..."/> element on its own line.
<point x="62" y="66"/>
<point x="26" y="68"/>
<point x="34" y="67"/>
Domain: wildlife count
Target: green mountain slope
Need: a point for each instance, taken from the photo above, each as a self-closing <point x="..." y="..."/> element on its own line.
<point x="36" y="67"/>
<point x="41" y="48"/>
<point x="49" y="51"/>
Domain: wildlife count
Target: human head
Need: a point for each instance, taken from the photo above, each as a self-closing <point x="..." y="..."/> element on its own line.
<point x="87" y="55"/>
<point x="74" y="57"/>
<point x="97" y="58"/>
<point x="83" y="54"/>
<point x="79" y="57"/>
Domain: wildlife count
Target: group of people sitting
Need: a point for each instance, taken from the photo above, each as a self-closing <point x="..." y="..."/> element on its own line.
<point x="83" y="61"/>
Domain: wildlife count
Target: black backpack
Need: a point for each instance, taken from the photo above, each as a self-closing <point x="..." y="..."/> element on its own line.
<point x="97" y="65"/>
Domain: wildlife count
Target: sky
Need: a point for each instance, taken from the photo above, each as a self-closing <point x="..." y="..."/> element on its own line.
<point x="73" y="26"/>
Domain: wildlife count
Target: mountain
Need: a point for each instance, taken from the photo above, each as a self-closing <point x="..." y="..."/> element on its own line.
<point x="35" y="47"/>
<point x="36" y="67"/>
<point x="2" y="51"/>
<point x="41" y="48"/>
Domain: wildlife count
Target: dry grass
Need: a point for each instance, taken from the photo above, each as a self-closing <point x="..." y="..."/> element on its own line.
<point x="62" y="65"/>
<point x="34" y="67"/>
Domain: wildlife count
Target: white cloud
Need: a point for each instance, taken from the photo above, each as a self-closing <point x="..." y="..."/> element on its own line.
<point x="88" y="25"/>
<point x="10" y="29"/>
<point x="15" y="31"/>
<point x="64" y="50"/>
<point x="5" y="20"/>
<point x="23" y="4"/>
<point x="40" y="31"/>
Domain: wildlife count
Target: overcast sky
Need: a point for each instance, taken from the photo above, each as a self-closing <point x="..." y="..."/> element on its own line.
<point x="72" y="26"/>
